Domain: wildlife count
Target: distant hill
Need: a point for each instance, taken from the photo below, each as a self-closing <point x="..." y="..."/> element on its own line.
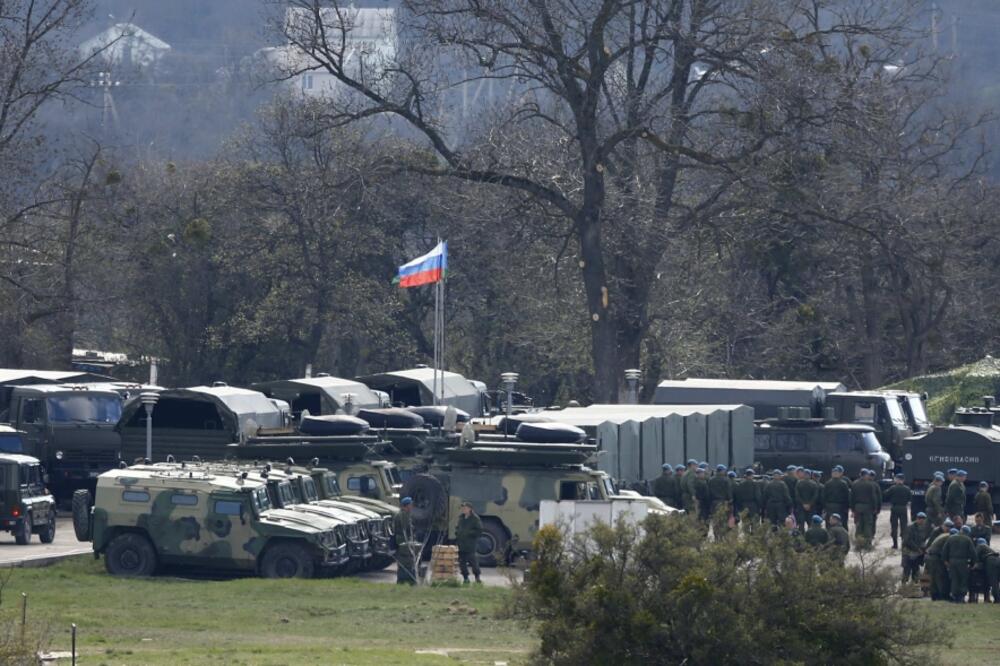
<point x="962" y="386"/>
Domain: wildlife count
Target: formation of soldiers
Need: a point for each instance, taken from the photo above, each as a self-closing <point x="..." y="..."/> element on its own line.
<point x="799" y="501"/>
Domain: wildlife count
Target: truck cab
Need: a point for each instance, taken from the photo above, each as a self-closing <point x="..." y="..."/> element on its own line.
<point x="879" y="410"/>
<point x="70" y="429"/>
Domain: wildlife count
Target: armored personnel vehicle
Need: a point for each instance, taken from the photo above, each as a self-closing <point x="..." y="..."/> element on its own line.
<point x="70" y="429"/>
<point x="817" y="444"/>
<point x="148" y="515"/>
<point x="26" y="507"/>
<point x="505" y="481"/>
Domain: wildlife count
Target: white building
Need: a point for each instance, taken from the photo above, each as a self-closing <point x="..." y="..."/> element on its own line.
<point x="125" y="46"/>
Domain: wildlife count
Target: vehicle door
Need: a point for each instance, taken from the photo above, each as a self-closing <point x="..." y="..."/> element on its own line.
<point x="819" y="451"/>
<point x="228" y="537"/>
<point x="31" y="419"/>
<point x="849" y="452"/>
<point x="33" y="495"/>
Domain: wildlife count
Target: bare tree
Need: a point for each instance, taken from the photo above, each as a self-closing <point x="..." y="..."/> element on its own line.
<point x="629" y="120"/>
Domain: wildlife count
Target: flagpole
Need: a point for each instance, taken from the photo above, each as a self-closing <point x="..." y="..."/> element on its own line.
<point x="443" y="338"/>
<point x="437" y="308"/>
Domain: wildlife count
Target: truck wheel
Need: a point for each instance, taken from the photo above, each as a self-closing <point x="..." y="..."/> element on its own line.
<point x="22" y="533"/>
<point x="492" y="545"/>
<point x="81" y="515"/>
<point x="429" y="500"/>
<point x="287" y="560"/>
<point x="130" y="554"/>
<point x="47" y="534"/>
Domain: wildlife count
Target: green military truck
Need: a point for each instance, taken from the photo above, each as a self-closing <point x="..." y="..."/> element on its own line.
<point x="26" y="507"/>
<point x="147" y="516"/>
<point x="69" y="428"/>
<point x="506" y="482"/>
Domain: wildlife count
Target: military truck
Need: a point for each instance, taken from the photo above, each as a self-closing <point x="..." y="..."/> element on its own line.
<point x="817" y="444"/>
<point x="147" y="516"/>
<point x="895" y="415"/>
<point x="70" y="429"/>
<point x="26" y="507"/>
<point x="505" y="484"/>
<point x="974" y="447"/>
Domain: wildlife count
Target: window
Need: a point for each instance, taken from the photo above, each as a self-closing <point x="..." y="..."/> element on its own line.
<point x="362" y="484"/>
<point x="84" y="408"/>
<point x="848" y="441"/>
<point x="184" y="500"/>
<point x="790" y="441"/>
<point x="309" y="490"/>
<point x="30" y="475"/>
<point x="307" y="82"/>
<point x="285" y="493"/>
<point x="895" y="411"/>
<point x="762" y="441"/>
<point x="10" y="443"/>
<point x="31" y="411"/>
<point x="135" y="496"/>
<point x="572" y="490"/>
<point x="332" y="486"/>
<point x="864" y="412"/>
<point x="228" y="507"/>
<point x="261" y="499"/>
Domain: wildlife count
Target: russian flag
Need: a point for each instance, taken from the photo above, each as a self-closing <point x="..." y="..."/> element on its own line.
<point x="428" y="269"/>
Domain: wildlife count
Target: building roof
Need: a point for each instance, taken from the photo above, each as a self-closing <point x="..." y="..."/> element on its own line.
<point x="756" y="384"/>
<point x="595" y="415"/>
<point x="125" y="44"/>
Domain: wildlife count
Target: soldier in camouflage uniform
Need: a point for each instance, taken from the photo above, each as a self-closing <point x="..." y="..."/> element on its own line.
<point x="940" y="585"/>
<point x="983" y="503"/>
<point x="806" y="497"/>
<point x="837" y="494"/>
<point x="935" y="500"/>
<point x="816" y="536"/>
<point x="954" y="501"/>
<point x="747" y="501"/>
<point x="989" y="561"/>
<point x="791" y="480"/>
<point x="959" y="554"/>
<point x="687" y="486"/>
<point x="777" y="500"/>
<point x="701" y="496"/>
<point x="867" y="501"/>
<point x="467" y="534"/>
<point x="981" y="530"/>
<point x="720" y="497"/>
<point x="405" y="538"/>
<point x="914" y="538"/>
<point x="898" y="496"/>
<point x="839" y="538"/>
<point x="667" y="487"/>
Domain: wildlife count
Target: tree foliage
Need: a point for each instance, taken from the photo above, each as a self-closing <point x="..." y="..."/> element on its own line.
<point x="663" y="594"/>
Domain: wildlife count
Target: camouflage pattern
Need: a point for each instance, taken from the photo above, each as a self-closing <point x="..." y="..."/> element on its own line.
<point x="19" y="499"/>
<point x="200" y="518"/>
<point x="381" y="475"/>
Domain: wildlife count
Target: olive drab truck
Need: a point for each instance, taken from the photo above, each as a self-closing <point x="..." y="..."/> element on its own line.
<point x="70" y="429"/>
<point x="26" y="507"/>
<point x="145" y="517"/>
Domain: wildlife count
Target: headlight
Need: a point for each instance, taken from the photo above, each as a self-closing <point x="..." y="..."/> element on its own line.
<point x="59" y="455"/>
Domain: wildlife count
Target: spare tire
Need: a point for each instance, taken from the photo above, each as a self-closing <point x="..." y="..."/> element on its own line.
<point x="429" y="500"/>
<point x="508" y="425"/>
<point x="81" y="515"/>
<point x="550" y="433"/>
<point x="340" y="424"/>
<point x="391" y="417"/>
<point x="434" y="415"/>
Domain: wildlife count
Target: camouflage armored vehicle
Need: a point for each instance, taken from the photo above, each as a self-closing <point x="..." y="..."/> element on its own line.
<point x="150" y="515"/>
<point x="505" y="482"/>
<point x="26" y="507"/>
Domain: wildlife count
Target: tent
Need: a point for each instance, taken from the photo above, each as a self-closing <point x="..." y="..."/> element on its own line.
<point x="322" y="394"/>
<point x="415" y="388"/>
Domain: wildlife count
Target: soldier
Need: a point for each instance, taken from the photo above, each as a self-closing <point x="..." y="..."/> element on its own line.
<point x="817" y="476"/>
<point x="935" y="501"/>
<point x="667" y="488"/>
<point x="954" y="500"/>
<point x="981" y="530"/>
<point x="687" y="485"/>
<point x="747" y="501"/>
<point x="989" y="561"/>
<point x="914" y="538"/>
<point x="701" y="496"/>
<point x="407" y="547"/>
<point x="777" y="500"/>
<point x="837" y="494"/>
<point x="898" y="495"/>
<point x="959" y="554"/>
<point x="983" y="503"/>
<point x="935" y="532"/>
<point x="816" y="536"/>
<point x="806" y="495"/>
<point x="867" y="501"/>
<point x="936" y="569"/>
<point x="467" y="534"/>
<point x="839" y="538"/>
<point x="720" y="496"/>
<point x="790" y="481"/>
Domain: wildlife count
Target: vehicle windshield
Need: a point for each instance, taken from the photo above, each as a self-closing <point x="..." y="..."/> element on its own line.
<point x="285" y="493"/>
<point x="10" y="443"/>
<point x="895" y="412"/>
<point x="609" y="487"/>
<point x="309" y="488"/>
<point x="261" y="500"/>
<point x="392" y="475"/>
<point x="332" y="485"/>
<point x="872" y="446"/>
<point x="84" y="408"/>
<point x="917" y="407"/>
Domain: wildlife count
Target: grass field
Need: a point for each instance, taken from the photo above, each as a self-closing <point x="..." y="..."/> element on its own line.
<point x="167" y="620"/>
<point x="253" y="621"/>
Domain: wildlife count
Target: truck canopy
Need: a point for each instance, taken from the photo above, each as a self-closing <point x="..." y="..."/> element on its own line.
<point x="320" y="395"/>
<point x="226" y="408"/>
<point x="765" y="396"/>
<point x="415" y="388"/>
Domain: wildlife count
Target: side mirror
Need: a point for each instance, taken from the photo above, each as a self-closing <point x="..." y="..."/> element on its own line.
<point x="45" y="478"/>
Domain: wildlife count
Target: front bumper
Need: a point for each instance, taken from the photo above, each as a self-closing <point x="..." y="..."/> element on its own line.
<point x="335" y="556"/>
<point x="359" y="549"/>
